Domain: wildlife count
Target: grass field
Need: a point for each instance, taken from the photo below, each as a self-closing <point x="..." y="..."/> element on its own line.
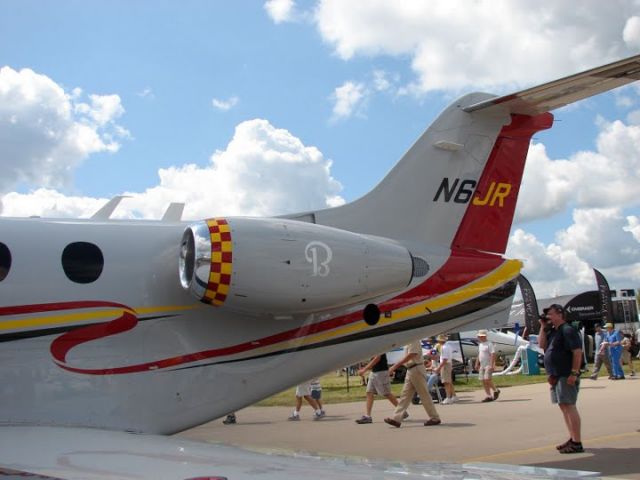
<point x="334" y="388"/>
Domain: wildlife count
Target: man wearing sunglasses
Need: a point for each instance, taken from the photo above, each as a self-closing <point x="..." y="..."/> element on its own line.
<point x="562" y="358"/>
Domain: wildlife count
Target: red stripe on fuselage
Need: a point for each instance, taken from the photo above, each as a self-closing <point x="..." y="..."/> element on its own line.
<point x="459" y="270"/>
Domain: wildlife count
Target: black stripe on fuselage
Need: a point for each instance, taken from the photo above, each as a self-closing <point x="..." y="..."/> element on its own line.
<point x="466" y="308"/>
<point x="44" y="332"/>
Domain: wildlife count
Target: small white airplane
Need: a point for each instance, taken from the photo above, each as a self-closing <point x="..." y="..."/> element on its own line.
<point x="153" y="327"/>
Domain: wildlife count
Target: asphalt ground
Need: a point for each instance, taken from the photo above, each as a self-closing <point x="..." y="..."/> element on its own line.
<point x="521" y="428"/>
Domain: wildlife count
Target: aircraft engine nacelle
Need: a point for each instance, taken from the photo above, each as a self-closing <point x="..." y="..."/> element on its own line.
<point x="283" y="267"/>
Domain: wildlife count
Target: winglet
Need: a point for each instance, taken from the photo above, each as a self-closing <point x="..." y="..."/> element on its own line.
<point x="558" y="93"/>
<point x="105" y="212"/>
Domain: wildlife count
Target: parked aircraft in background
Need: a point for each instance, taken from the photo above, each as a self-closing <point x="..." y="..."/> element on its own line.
<point x="506" y="343"/>
<point x="153" y="327"/>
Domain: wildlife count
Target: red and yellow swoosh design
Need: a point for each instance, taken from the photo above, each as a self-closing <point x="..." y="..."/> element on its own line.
<point x="463" y="278"/>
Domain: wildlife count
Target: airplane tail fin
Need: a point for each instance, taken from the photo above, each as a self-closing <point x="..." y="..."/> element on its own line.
<point x="457" y="186"/>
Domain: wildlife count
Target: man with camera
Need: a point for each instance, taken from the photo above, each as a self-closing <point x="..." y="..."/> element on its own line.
<point x="562" y="359"/>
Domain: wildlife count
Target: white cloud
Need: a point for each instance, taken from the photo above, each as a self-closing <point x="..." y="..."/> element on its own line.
<point x="494" y="44"/>
<point x="600" y="238"/>
<point x="225" y="105"/>
<point x="348" y="97"/>
<point x="280" y="10"/>
<point x="547" y="185"/>
<point x="607" y="177"/>
<point x="263" y="171"/>
<point x="45" y="202"/>
<point x="631" y="32"/>
<point x="146" y="93"/>
<point x="45" y="132"/>
<point x="381" y="80"/>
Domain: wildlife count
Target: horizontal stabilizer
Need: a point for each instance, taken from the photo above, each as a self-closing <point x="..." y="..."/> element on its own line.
<point x="559" y="93"/>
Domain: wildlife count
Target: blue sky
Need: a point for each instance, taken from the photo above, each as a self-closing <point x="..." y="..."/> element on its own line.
<point x="343" y="88"/>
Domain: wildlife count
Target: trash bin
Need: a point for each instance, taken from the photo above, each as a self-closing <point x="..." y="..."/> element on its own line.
<point x="530" y="362"/>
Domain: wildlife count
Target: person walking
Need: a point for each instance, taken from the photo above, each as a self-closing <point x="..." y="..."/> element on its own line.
<point x="627" y="357"/>
<point x="485" y="365"/>
<point x="614" y="338"/>
<point x="378" y="383"/>
<point x="562" y="359"/>
<point x="602" y="353"/>
<point x="415" y="380"/>
<point x="304" y="391"/>
<point x="445" y="370"/>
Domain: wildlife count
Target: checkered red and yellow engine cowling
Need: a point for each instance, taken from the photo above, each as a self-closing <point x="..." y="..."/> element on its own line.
<point x="221" y="262"/>
<point x="280" y="267"/>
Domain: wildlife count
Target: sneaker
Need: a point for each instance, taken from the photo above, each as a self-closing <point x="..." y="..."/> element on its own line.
<point x="496" y="394"/>
<point x="317" y="415"/>
<point x="454" y="399"/>
<point x="364" y="419"/>
<point x="488" y="399"/>
<point x="447" y="401"/>
<point x="632" y="374"/>
<point x="323" y="413"/>
<point x="294" y="418"/>
<point x="405" y="415"/>
<point x="593" y="377"/>
<point x="230" y="420"/>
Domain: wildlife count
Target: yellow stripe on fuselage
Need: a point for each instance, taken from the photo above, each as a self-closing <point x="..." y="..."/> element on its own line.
<point x="79" y="317"/>
<point x="506" y="272"/>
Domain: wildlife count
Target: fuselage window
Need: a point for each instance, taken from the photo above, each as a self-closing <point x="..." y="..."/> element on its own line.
<point x="5" y="261"/>
<point x="82" y="262"/>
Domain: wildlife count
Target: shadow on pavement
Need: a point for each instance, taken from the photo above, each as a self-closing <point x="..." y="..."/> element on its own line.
<point x="607" y="461"/>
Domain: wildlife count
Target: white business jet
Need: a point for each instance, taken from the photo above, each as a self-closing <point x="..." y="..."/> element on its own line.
<point x="153" y="327"/>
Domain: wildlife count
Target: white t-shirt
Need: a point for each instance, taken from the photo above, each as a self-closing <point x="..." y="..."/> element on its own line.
<point x="446" y="353"/>
<point x="485" y="349"/>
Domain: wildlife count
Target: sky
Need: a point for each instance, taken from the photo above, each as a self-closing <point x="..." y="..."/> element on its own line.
<point x="266" y="108"/>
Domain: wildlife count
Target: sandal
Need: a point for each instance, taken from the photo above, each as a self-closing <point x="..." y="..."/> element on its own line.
<point x="572" y="448"/>
<point x="562" y="445"/>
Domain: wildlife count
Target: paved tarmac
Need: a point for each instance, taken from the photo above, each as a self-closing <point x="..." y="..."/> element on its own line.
<point x="521" y="428"/>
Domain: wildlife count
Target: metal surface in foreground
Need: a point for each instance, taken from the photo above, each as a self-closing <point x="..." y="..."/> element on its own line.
<point x="89" y="454"/>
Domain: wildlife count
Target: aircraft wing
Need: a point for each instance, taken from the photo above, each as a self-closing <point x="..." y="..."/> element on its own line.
<point x="55" y="453"/>
<point x="559" y="93"/>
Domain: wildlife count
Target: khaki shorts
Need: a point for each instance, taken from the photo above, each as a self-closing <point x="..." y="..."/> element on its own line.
<point x="485" y="373"/>
<point x="564" y="393"/>
<point x="445" y="373"/>
<point x="379" y="383"/>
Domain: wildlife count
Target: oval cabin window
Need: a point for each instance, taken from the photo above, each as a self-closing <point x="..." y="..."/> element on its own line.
<point x="82" y="262"/>
<point x="5" y="261"/>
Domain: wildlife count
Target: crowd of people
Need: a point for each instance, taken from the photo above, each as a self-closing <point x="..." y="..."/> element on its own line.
<point x="429" y="376"/>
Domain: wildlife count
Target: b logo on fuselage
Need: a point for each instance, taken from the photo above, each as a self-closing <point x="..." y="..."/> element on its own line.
<point x="319" y="254"/>
<point x="462" y="191"/>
